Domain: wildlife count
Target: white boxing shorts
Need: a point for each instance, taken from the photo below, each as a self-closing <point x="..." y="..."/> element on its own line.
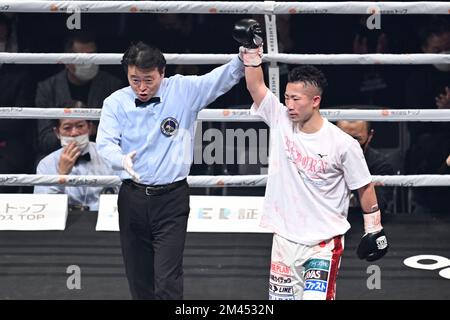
<point x="301" y="272"/>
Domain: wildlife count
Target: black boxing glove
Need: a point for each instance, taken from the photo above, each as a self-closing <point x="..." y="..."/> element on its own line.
<point x="248" y="33"/>
<point x="373" y="244"/>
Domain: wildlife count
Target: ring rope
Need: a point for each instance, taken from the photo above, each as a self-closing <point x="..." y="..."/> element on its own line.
<point x="425" y="180"/>
<point x="237" y="115"/>
<point x="267" y="7"/>
<point x="214" y="7"/>
<point x="200" y="58"/>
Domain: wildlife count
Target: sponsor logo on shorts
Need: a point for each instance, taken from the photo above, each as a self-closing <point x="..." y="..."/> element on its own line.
<point x="278" y="297"/>
<point x="316" y="275"/>
<point x="315" y="285"/>
<point x="281" y="290"/>
<point x="280" y="269"/>
<point x="280" y="279"/>
<point x="318" y="264"/>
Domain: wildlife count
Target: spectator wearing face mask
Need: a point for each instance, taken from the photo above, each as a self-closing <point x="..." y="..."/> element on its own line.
<point x="77" y="156"/>
<point x="77" y="82"/>
<point x="428" y="86"/>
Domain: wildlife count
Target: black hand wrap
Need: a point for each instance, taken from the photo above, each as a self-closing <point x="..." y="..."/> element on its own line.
<point x="373" y="246"/>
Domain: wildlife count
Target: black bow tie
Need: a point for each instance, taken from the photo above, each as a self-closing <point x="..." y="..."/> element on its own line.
<point x="143" y="104"/>
<point x="84" y="157"/>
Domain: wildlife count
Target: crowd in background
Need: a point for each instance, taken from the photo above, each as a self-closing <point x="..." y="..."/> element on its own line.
<point x="24" y="143"/>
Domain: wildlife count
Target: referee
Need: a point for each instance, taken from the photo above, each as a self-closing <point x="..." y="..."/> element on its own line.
<point x="147" y="131"/>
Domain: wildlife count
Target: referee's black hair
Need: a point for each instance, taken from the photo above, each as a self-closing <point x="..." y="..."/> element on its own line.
<point x="310" y="75"/>
<point x="143" y="56"/>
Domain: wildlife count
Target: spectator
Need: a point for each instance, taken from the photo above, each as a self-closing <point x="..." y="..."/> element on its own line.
<point x="445" y="166"/>
<point x="8" y="41"/>
<point x="85" y="83"/>
<point x="372" y="84"/>
<point x="375" y="85"/>
<point x="16" y="136"/>
<point x="432" y="156"/>
<point x="376" y="161"/>
<point x="428" y="88"/>
<point x="78" y="156"/>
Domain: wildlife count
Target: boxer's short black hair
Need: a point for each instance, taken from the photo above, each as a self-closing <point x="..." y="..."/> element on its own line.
<point x="310" y="75"/>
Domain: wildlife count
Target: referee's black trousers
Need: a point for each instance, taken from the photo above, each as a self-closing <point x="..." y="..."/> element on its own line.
<point x="152" y="235"/>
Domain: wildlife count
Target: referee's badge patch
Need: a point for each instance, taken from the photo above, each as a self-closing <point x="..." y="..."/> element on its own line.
<point x="169" y="126"/>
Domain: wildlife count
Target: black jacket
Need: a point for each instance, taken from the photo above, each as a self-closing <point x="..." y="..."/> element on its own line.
<point x="378" y="166"/>
<point x="54" y="92"/>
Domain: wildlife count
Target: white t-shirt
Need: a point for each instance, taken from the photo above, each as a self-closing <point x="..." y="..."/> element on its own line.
<point x="310" y="177"/>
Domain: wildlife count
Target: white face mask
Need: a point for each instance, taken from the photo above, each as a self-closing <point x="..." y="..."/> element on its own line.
<point x="444" y="67"/>
<point x="86" y="72"/>
<point x="82" y="141"/>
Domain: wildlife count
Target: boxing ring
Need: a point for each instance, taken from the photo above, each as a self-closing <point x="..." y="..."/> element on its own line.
<point x="231" y="263"/>
<point x="217" y="266"/>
